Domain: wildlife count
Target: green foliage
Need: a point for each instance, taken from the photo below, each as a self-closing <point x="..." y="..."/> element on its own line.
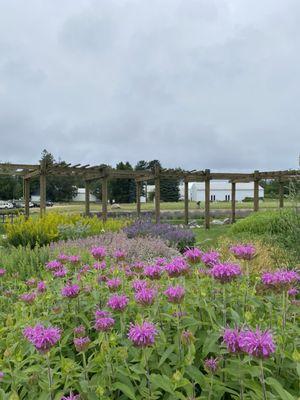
<point x="11" y="187"/>
<point x="123" y="190"/>
<point x="53" y="226"/>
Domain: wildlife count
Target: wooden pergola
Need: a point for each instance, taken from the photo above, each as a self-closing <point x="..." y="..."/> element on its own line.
<point x="104" y="173"/>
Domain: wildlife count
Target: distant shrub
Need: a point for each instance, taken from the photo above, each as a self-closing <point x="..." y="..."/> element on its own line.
<point x="172" y="234"/>
<point x="53" y="226"/>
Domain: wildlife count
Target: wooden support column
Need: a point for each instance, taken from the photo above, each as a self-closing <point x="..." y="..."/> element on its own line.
<point x="281" y="194"/>
<point x="87" y="198"/>
<point x="138" y="198"/>
<point x="207" y="199"/>
<point x="256" y="192"/>
<point x="157" y="194"/>
<point x="186" y="202"/>
<point x="233" y="193"/>
<point x="104" y="199"/>
<point x="26" y="195"/>
<point x="42" y="194"/>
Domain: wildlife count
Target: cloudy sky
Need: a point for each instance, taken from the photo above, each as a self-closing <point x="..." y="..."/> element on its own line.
<point x="193" y="83"/>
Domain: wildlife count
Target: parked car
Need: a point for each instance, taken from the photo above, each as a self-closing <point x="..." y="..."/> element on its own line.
<point x="49" y="203"/>
<point x="6" y="204"/>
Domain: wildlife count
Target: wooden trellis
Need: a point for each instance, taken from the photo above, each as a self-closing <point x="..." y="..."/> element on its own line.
<point x="105" y="173"/>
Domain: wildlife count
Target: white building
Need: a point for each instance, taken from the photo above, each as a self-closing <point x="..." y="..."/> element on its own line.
<point x="80" y="195"/>
<point x="221" y="191"/>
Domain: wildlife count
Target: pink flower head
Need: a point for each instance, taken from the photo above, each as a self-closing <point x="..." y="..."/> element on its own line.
<point x="41" y="337"/>
<point x="102" y="313"/>
<point x="142" y="335"/>
<point x="138" y="266"/>
<point x="79" y="331"/>
<point x="257" y="343"/>
<point x="153" y="271"/>
<point x="225" y="272"/>
<point x="74" y="259"/>
<point x="63" y="258"/>
<point x="2" y="271"/>
<point x="41" y="287"/>
<point x="70" y="291"/>
<point x="100" y="265"/>
<point x="175" y="294"/>
<point x="84" y="269"/>
<point x="118" y="302"/>
<point x="210" y="258"/>
<point x="211" y="365"/>
<point x="81" y="343"/>
<point x="145" y="296"/>
<point x="231" y="338"/>
<point x="71" y="397"/>
<point x="293" y="292"/>
<point x="139" y="284"/>
<point x="243" y="251"/>
<point x="193" y="255"/>
<point x="281" y="278"/>
<point x="53" y="265"/>
<point x="187" y="337"/>
<point x="103" y="321"/>
<point x="98" y="253"/>
<point x="120" y="255"/>
<point x="161" y="261"/>
<point x="28" y="297"/>
<point x="31" y="282"/>
<point x="113" y="284"/>
<point x="60" y="273"/>
<point x="177" y="267"/>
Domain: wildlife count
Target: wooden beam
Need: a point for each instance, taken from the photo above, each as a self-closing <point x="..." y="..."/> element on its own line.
<point x="157" y="195"/>
<point x="281" y="194"/>
<point x="138" y="198"/>
<point x="32" y="174"/>
<point x="43" y="188"/>
<point x="233" y="200"/>
<point x="256" y="191"/>
<point x="186" y="202"/>
<point x="26" y="195"/>
<point x="104" y="199"/>
<point x="87" y="198"/>
<point x="207" y="200"/>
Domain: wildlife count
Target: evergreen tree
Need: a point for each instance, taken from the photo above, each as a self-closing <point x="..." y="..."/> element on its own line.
<point x="123" y="190"/>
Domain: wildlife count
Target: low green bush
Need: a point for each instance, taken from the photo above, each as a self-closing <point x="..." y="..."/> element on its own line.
<point x="53" y="226"/>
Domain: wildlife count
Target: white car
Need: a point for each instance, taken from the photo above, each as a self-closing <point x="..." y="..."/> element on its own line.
<point x="5" y="204"/>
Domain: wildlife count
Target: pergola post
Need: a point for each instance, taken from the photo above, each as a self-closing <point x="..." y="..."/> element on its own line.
<point x="87" y="198"/>
<point x="104" y="199"/>
<point x="256" y="191"/>
<point x="157" y="194"/>
<point x="43" y="188"/>
<point x="281" y="194"/>
<point x="26" y="195"/>
<point x="186" y="202"/>
<point x="207" y="199"/>
<point x="233" y="197"/>
<point x="138" y="198"/>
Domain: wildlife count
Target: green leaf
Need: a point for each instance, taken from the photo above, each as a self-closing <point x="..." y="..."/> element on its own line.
<point x="166" y="354"/>
<point x="210" y="344"/>
<point x="162" y="382"/>
<point x="125" y="389"/>
<point x="284" y="395"/>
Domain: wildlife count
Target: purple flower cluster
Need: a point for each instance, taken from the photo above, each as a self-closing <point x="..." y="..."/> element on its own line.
<point x="142" y="335"/>
<point x="145" y="296"/>
<point x="177" y="267"/>
<point x="225" y="272"/>
<point x="280" y="279"/>
<point x="256" y="343"/>
<point x="119" y="255"/>
<point x="103" y="321"/>
<point x="81" y="343"/>
<point x="210" y="258"/>
<point x="41" y="287"/>
<point x="70" y="291"/>
<point x="2" y="271"/>
<point x="113" y="284"/>
<point x="28" y="298"/>
<point x="98" y="253"/>
<point x="175" y="294"/>
<point x="118" y="302"/>
<point x="41" y="337"/>
<point x="243" y="251"/>
<point x="53" y="265"/>
<point x="211" y="365"/>
<point x="153" y="271"/>
<point x="139" y="284"/>
<point x="193" y="255"/>
<point x="71" y="397"/>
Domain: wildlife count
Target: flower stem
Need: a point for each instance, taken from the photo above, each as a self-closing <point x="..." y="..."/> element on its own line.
<point x="49" y="376"/>
<point x="224" y="306"/>
<point x="84" y="366"/>
<point x="211" y="387"/>
<point x="262" y="379"/>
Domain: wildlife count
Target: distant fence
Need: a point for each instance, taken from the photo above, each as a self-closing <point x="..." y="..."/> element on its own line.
<point x="9" y="217"/>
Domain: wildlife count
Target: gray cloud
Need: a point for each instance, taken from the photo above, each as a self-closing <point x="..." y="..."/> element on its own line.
<point x="194" y="83"/>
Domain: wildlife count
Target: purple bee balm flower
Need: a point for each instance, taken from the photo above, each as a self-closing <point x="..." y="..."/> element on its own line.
<point x="118" y="302"/>
<point x="257" y="343"/>
<point x="293" y="292"/>
<point x="85" y="268"/>
<point x="41" y="337"/>
<point x="145" y="296"/>
<point x="153" y="271"/>
<point x="231" y="338"/>
<point x="31" y="282"/>
<point x="103" y="323"/>
<point x="120" y="255"/>
<point x="187" y="337"/>
<point x="2" y="271"/>
<point x="211" y="365"/>
<point x="74" y="259"/>
<point x="41" y="287"/>
<point x="281" y="278"/>
<point x="63" y="258"/>
<point x="70" y="291"/>
<point x="210" y="258"/>
<point x="161" y="261"/>
<point x="28" y="297"/>
<point x="202" y="271"/>
<point x="193" y="255"/>
<point x="175" y="294"/>
<point x="142" y="335"/>
<point x="138" y="266"/>
<point x="102" y="313"/>
<point x="177" y="267"/>
<point x="225" y="272"/>
<point x="60" y="273"/>
<point x="100" y="265"/>
<point x="113" y="284"/>
<point x="98" y="253"/>
<point x="71" y="397"/>
<point x="139" y="284"/>
<point x="243" y="251"/>
<point x="79" y="331"/>
<point x="81" y="343"/>
<point x="53" y="265"/>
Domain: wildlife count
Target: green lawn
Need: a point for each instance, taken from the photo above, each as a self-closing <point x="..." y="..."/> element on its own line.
<point x="208" y="238"/>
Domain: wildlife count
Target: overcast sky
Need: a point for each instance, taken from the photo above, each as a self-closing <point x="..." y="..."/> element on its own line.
<point x="194" y="83"/>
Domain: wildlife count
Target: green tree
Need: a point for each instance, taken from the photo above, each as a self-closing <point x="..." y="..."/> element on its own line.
<point x="123" y="190"/>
